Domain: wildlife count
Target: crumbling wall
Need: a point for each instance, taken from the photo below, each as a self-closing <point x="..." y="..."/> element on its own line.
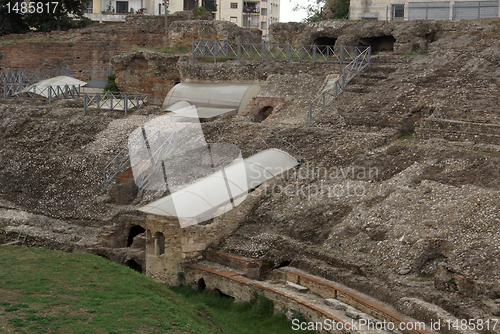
<point x="80" y="48"/>
<point x="183" y="33"/>
<point x="146" y="72"/>
<point x="406" y="36"/>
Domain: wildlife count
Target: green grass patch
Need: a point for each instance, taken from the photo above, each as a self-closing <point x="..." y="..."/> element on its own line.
<point x="254" y="317"/>
<point x="46" y="291"/>
<point x="406" y="135"/>
<point x="57" y="292"/>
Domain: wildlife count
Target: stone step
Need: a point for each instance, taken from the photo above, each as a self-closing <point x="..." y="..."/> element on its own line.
<point x="359" y="304"/>
<point x="336" y="304"/>
<point x="251" y="267"/>
<point x="297" y="287"/>
<point x="350" y="311"/>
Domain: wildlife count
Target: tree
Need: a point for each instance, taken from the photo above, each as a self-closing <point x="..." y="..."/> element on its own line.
<point x="42" y="15"/>
<point x="319" y="10"/>
<point x="59" y="16"/>
<point x="10" y="21"/>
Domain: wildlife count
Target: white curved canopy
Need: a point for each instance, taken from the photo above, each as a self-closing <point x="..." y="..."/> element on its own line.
<point x="209" y="197"/>
<point x="211" y="99"/>
<point x="59" y="81"/>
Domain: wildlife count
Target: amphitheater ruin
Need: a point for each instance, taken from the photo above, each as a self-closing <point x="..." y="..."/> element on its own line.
<point x="387" y="210"/>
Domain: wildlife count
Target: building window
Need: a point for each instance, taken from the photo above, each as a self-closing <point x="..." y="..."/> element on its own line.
<point x="122" y="6"/>
<point x="263" y="11"/>
<point x="89" y="7"/>
<point x="234" y="5"/>
<point x="398" y="11"/>
<point x="234" y="19"/>
<point x="263" y="25"/>
<point x="190" y="4"/>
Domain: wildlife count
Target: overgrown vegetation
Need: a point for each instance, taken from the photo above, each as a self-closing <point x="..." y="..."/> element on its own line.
<point x="199" y="12"/>
<point x="406" y="134"/>
<point x="58" y="292"/>
<point x="77" y="293"/>
<point x="43" y="15"/>
<point x="253" y="317"/>
<point x="111" y="85"/>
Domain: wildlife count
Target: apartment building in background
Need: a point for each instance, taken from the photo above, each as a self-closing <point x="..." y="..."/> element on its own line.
<point x="422" y="10"/>
<point x="258" y="14"/>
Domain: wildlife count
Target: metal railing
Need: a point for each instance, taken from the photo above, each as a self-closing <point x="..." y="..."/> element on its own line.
<point x="155" y="162"/>
<point x="115" y="166"/>
<point x="263" y="51"/>
<point x="360" y="61"/>
<point x="15" y="90"/>
<point x="115" y="101"/>
<point x="32" y="76"/>
<point x="122" y="159"/>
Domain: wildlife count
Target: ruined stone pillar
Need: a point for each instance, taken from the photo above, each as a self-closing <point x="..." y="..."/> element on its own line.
<point x="157" y="245"/>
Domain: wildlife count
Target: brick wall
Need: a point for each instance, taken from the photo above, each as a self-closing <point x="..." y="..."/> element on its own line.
<point x="146" y="72"/>
<point x="81" y="48"/>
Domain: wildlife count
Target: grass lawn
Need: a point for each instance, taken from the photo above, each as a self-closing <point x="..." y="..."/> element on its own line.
<point x="44" y="291"/>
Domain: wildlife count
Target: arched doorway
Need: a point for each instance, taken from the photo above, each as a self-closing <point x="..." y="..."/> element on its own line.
<point x="201" y="284"/>
<point x="380" y="43"/>
<point x="263" y="114"/>
<point x="133" y="265"/>
<point x="134" y="231"/>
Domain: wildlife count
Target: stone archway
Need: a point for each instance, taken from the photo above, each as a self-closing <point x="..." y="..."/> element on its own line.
<point x="133" y="232"/>
<point x="262" y="108"/>
<point x="132" y="264"/>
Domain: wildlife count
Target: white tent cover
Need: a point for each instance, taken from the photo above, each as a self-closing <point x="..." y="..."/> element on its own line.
<point x="59" y="81"/>
<point x="209" y="197"/>
<point x="211" y="99"/>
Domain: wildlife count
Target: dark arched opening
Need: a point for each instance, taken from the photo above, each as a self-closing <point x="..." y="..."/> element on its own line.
<point x="219" y="293"/>
<point x="283" y="264"/>
<point x="263" y="114"/>
<point x="201" y="284"/>
<point x="134" y="265"/>
<point x="381" y="43"/>
<point x="327" y="41"/>
<point x="323" y="42"/>
<point x="134" y="231"/>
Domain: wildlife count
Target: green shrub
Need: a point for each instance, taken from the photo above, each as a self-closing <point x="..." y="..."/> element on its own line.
<point x="111" y="85"/>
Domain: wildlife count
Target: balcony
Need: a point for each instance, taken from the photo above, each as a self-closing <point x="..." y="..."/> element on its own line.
<point x="251" y="8"/>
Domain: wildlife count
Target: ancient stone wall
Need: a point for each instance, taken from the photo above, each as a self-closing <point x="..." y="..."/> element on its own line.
<point x="185" y="245"/>
<point x="183" y="33"/>
<point x="80" y="48"/>
<point x="146" y="72"/>
<point x="382" y="36"/>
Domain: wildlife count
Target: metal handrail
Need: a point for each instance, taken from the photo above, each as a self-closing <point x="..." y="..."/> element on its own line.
<point x="112" y="101"/>
<point x="155" y="161"/>
<point x="264" y="51"/>
<point x="53" y="92"/>
<point x="360" y="61"/>
<point x="118" y="162"/>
